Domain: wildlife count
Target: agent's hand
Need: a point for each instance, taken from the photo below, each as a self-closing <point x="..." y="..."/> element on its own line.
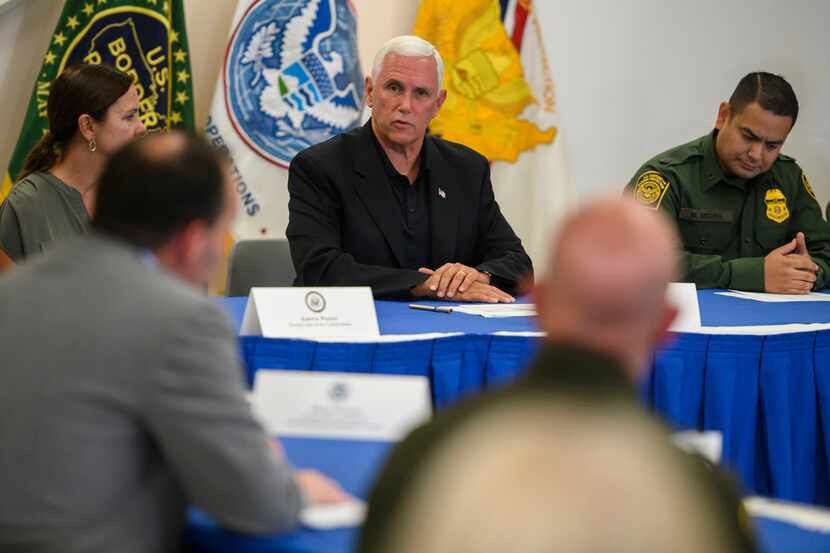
<point x="789" y="269"/>
<point x="319" y="488"/>
<point x="801" y="245"/>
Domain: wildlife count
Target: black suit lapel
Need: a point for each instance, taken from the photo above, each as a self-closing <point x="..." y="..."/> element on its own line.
<point x="445" y="202"/>
<point x="373" y="189"/>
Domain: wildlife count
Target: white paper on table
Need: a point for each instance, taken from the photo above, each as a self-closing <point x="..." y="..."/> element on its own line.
<point x="489" y="310"/>
<point x="683" y="295"/>
<point x="764" y="330"/>
<point x="348" y="514"/>
<point x="805" y="516"/>
<point x="522" y="333"/>
<point x="775" y="298"/>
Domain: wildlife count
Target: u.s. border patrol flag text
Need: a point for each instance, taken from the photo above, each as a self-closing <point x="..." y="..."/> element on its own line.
<point x="291" y="78"/>
<point x="501" y="102"/>
<point x="144" y="38"/>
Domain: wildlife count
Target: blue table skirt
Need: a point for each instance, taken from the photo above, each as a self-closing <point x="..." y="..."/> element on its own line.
<point x="354" y="464"/>
<point x="768" y="395"/>
<point x="775" y="536"/>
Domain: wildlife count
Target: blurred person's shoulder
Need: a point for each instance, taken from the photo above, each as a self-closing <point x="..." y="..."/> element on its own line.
<point x="97" y="273"/>
<point x="572" y="370"/>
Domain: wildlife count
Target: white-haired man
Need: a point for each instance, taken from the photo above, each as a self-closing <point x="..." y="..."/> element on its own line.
<point x="391" y="207"/>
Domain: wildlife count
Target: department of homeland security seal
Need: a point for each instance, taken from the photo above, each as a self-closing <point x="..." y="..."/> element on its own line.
<point x="339" y="391"/>
<point x="292" y="75"/>
<point x="315" y="301"/>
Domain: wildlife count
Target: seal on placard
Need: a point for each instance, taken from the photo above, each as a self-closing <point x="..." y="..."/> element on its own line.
<point x="339" y="391"/>
<point x="315" y="302"/>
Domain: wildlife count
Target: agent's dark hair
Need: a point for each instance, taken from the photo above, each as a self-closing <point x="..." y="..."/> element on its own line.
<point x="147" y="194"/>
<point x="81" y="89"/>
<point x="772" y="93"/>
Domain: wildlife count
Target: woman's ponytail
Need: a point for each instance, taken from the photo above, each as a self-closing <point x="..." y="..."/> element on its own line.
<point x="43" y="156"/>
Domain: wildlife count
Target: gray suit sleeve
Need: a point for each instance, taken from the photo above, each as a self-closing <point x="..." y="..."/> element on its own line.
<point x="204" y="426"/>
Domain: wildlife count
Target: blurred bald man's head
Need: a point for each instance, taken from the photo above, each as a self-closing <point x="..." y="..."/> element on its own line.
<point x="542" y="476"/>
<point x="169" y="194"/>
<point x="606" y="282"/>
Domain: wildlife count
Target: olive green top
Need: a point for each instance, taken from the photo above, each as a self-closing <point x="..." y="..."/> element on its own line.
<point x="40" y="209"/>
<point x="727" y="224"/>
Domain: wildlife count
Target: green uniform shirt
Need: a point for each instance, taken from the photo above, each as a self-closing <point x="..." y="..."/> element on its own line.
<point x="727" y="224"/>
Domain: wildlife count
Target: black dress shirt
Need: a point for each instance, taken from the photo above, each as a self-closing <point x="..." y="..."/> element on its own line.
<point x="415" y="214"/>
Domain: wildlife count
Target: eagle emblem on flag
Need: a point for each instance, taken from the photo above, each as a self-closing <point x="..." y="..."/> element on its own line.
<point x="292" y="76"/>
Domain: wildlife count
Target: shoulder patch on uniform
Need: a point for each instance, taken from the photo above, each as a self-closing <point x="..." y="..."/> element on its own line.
<point x="807" y="186"/>
<point x="650" y="188"/>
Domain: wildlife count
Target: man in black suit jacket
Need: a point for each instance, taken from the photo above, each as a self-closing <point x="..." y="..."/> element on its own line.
<point x="390" y="207"/>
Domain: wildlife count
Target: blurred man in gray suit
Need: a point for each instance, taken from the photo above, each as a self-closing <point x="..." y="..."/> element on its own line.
<point x="121" y="392"/>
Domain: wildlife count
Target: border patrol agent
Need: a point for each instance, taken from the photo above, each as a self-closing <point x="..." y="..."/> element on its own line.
<point x="746" y="213"/>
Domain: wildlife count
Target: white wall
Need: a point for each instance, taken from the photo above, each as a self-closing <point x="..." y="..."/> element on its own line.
<point x="633" y="78"/>
<point x="637" y="77"/>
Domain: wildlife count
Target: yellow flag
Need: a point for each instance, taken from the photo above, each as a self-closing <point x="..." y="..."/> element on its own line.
<point x="6" y="187"/>
<point x="483" y="75"/>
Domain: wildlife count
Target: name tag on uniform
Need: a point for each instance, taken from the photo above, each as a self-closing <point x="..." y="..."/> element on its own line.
<point x="706" y="215"/>
<point x="325" y="312"/>
<point x="340" y="405"/>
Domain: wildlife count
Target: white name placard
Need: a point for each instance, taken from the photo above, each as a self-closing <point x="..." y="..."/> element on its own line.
<point x="310" y="313"/>
<point x="340" y="405"/>
<point x="683" y="295"/>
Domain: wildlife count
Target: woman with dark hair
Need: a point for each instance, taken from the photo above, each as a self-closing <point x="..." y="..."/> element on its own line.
<point x="92" y="111"/>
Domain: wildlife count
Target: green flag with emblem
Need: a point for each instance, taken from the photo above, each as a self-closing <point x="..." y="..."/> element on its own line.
<point x="145" y="39"/>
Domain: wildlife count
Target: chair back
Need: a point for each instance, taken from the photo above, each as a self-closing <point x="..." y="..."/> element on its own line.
<point x="259" y="263"/>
